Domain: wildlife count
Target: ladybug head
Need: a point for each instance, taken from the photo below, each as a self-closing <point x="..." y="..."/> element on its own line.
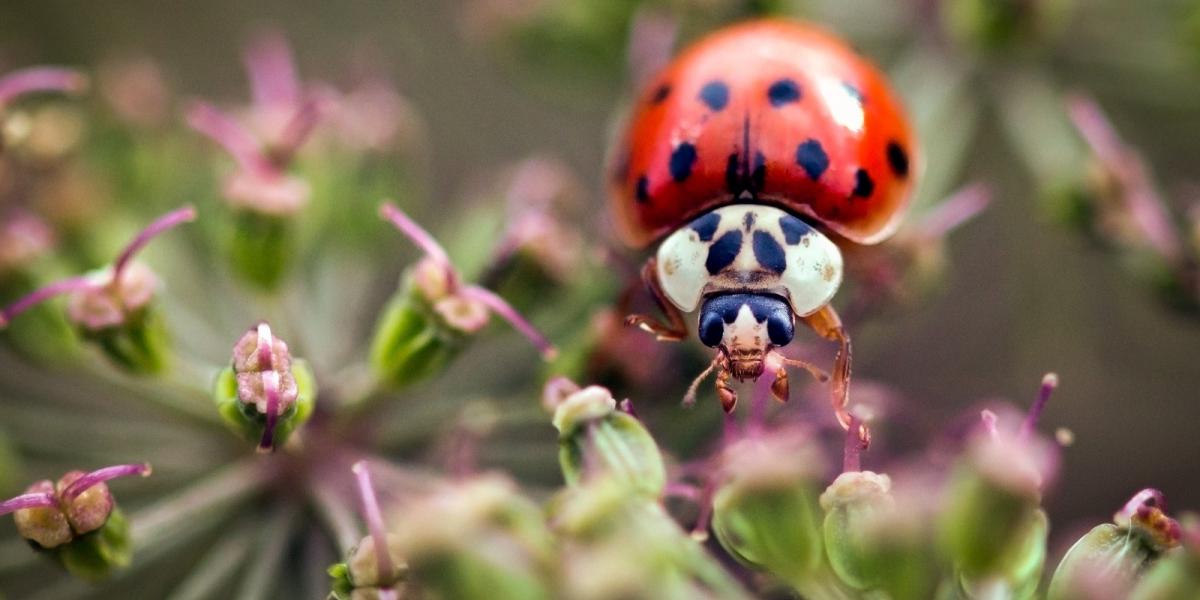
<point x="745" y="328"/>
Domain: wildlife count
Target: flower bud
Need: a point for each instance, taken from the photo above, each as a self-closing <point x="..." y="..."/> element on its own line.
<point x="595" y="438"/>
<point x="76" y="522"/>
<point x="1108" y="561"/>
<point x="428" y="320"/>
<point x="376" y="566"/>
<point x="46" y="525"/>
<point x="991" y="515"/>
<point x="1177" y="575"/>
<point x="852" y="504"/>
<point x="113" y="308"/>
<point x="266" y="394"/>
<point x="765" y="512"/>
<point x="477" y="538"/>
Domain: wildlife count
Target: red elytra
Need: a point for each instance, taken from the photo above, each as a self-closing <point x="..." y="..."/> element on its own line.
<point x="772" y="112"/>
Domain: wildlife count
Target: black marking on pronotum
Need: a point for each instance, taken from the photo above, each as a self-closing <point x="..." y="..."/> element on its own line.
<point x="768" y="252"/>
<point x="706" y="226"/>
<point x="782" y="92"/>
<point x="723" y="251"/>
<point x="812" y="158"/>
<point x="715" y="94"/>
<point x="642" y="190"/>
<point x="897" y="159"/>
<point x="793" y="229"/>
<point x="682" y="160"/>
<point x="660" y="94"/>
<point x="864" y="186"/>
<point x="748" y="221"/>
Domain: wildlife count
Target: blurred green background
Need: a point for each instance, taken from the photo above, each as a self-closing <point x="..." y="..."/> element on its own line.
<point x="1023" y="295"/>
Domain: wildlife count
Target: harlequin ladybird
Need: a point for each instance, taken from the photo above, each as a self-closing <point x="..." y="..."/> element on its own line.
<point x="754" y="154"/>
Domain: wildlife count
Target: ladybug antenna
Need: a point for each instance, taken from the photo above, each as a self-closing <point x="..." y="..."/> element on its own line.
<point x="689" y="399"/>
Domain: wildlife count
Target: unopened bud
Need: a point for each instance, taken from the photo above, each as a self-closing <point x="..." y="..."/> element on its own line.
<point x="76" y="523"/>
<point x="266" y="394"/>
<point x="597" y="439"/>
<point x="1109" y="560"/>
<point x="853" y="503"/>
<point x="766" y="510"/>
<point x="1177" y="575"/>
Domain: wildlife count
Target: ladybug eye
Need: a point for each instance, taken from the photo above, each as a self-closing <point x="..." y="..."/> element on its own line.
<point x="712" y="328"/>
<point x="780" y="326"/>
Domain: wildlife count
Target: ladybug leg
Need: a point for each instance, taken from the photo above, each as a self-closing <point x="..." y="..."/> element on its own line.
<point x="675" y="329"/>
<point x="827" y="324"/>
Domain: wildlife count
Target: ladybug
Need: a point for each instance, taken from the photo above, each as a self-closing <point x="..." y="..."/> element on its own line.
<point x="750" y="158"/>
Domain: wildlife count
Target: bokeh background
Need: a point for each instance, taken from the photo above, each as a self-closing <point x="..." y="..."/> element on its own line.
<point x="1024" y="289"/>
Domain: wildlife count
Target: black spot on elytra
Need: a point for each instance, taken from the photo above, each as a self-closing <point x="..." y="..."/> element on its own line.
<point x="682" y="160"/>
<point x="897" y="159"/>
<point x="748" y="221"/>
<point x="784" y="91"/>
<point x="660" y="94"/>
<point x="715" y="94"/>
<point x="812" y="158"/>
<point x="642" y="190"/>
<point x="706" y="226"/>
<point x="723" y="251"/>
<point x="793" y="229"/>
<point x="864" y="186"/>
<point x="768" y="252"/>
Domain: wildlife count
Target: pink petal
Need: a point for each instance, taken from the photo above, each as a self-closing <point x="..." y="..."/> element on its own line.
<point x="374" y="517"/>
<point x="160" y="225"/>
<point x="501" y="307"/>
<point x="40" y="79"/>
<point x="88" y="480"/>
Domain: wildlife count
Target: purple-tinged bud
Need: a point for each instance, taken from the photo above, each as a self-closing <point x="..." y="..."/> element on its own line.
<point x="38" y="517"/>
<point x="265" y="394"/>
<point x="375" y="567"/>
<point x="76" y="522"/>
<point x="111" y="307"/>
<point x="426" y="323"/>
<point x="85" y="497"/>
<point x="994" y="494"/>
<point x="1177" y="575"/>
<point x="1109" y="560"/>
